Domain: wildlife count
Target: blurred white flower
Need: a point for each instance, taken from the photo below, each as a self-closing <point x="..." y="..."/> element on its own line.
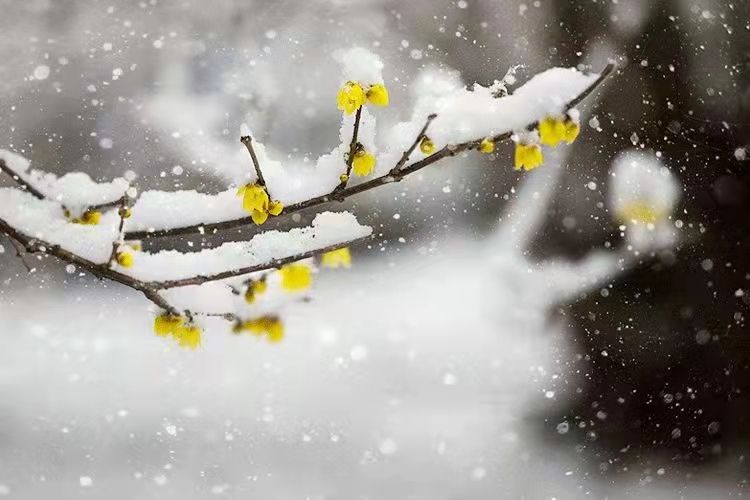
<point x="642" y="196"/>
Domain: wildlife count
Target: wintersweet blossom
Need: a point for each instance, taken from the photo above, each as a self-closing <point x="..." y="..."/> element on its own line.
<point x="341" y="257"/>
<point x="377" y="94"/>
<point x="89" y="218"/>
<point x="487" y="145"/>
<point x="553" y="130"/>
<point x="528" y="156"/>
<point x="270" y="326"/>
<point x="426" y="145"/>
<point x="354" y="95"/>
<point x="257" y="203"/>
<point x="351" y="97"/>
<point x="255" y="288"/>
<point x="125" y="259"/>
<point x="363" y="163"/>
<point x="295" y="277"/>
<point x="186" y="334"/>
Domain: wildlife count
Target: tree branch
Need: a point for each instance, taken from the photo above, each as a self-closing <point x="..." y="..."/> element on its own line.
<point x="341" y="194"/>
<point x="248" y="142"/>
<point x="276" y="263"/>
<point x="20" y="180"/>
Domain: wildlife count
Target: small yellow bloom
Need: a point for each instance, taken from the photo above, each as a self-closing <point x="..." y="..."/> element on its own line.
<point x="165" y="324"/>
<point x="487" y="145"/>
<point x="640" y="211"/>
<point x="343" y="178"/>
<point x="426" y="145"/>
<point x="341" y="257"/>
<point x="528" y="156"/>
<point x="551" y="131"/>
<point x="351" y="97"/>
<point x="271" y="326"/>
<point x="295" y="277"/>
<point x="254" y="289"/>
<point x="125" y="259"/>
<point x="275" y="207"/>
<point x="377" y="94"/>
<point x="572" y="129"/>
<point x="125" y="212"/>
<point x="89" y="218"/>
<point x="188" y="336"/>
<point x="254" y="197"/>
<point x="364" y="163"/>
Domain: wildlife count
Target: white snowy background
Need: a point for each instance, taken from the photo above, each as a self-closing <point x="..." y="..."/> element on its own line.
<point x="428" y="370"/>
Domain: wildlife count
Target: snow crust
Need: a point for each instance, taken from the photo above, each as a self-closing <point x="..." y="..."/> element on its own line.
<point x="327" y="229"/>
<point x="45" y="220"/>
<point x="75" y="190"/>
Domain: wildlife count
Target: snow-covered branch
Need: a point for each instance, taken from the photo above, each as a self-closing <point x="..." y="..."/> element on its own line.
<point x="96" y="225"/>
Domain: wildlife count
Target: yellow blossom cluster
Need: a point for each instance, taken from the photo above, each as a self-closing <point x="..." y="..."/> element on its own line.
<point x="295" y="277"/>
<point x="257" y="203"/>
<point x="354" y="95"/>
<point x="363" y="163"/>
<point x="254" y="289"/>
<point x="186" y="333"/>
<point x="552" y="130"/>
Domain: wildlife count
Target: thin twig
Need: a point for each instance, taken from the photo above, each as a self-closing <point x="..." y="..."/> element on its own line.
<point x="408" y="152"/>
<point x="341" y="194"/>
<point x="99" y="270"/>
<point x="273" y="264"/>
<point x="23" y="183"/>
<point x="352" y="150"/>
<point x="248" y="142"/>
<point x="120" y="235"/>
<point x="20" y="253"/>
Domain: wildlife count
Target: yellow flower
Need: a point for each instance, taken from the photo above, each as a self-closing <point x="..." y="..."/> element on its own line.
<point x="295" y="277"/>
<point x="364" y="163"/>
<point x="89" y="218"/>
<point x="552" y="131"/>
<point x="125" y="259"/>
<point x="528" y="156"/>
<point x="188" y="336"/>
<point x="271" y="326"/>
<point x="254" y="289"/>
<point x="341" y="257"/>
<point x="254" y="197"/>
<point x="426" y="145"/>
<point x="256" y="202"/>
<point x="351" y="97"/>
<point x="487" y="145"/>
<point x="572" y="129"/>
<point x="166" y="324"/>
<point x="377" y="94"/>
<point x="639" y="211"/>
<point x="125" y="212"/>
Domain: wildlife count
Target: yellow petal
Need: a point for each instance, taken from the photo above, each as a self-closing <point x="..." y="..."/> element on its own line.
<point x="351" y="97"/>
<point x="551" y="131"/>
<point x="426" y="146"/>
<point x="528" y="156"/>
<point x="164" y="324"/>
<point x="188" y="336"/>
<point x="487" y="145"/>
<point x="639" y="211"/>
<point x="295" y="277"/>
<point x="255" y="197"/>
<point x="275" y="207"/>
<point x="259" y="286"/>
<point x="337" y="258"/>
<point x="90" y="218"/>
<point x="378" y="95"/>
<point x="572" y="129"/>
<point x="364" y="163"/>
<point x="275" y="331"/>
<point x="259" y="217"/>
<point x="125" y="259"/>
